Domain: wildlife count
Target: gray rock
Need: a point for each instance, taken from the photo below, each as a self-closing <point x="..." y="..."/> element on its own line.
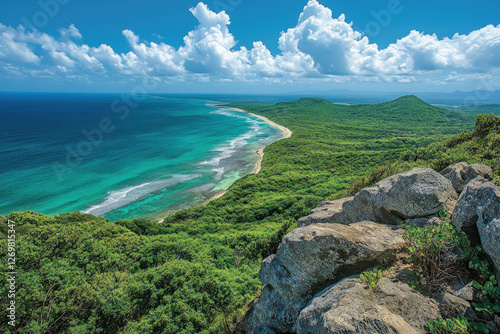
<point x="455" y="254"/>
<point x="258" y="314"/>
<point x="466" y="293"/>
<point x="421" y="222"/>
<point x="314" y="257"/>
<point x="488" y="225"/>
<point x="351" y="307"/>
<point x="460" y="174"/>
<point x="327" y="212"/>
<point x="417" y="193"/>
<point x="476" y="194"/>
<point x="456" y="304"/>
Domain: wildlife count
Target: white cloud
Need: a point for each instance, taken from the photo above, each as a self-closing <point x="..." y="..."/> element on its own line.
<point x="207" y="49"/>
<point x="13" y="49"/>
<point x="159" y="59"/>
<point x="330" y="42"/>
<point x="337" y="49"/>
<point x="70" y="32"/>
<point x="320" y="47"/>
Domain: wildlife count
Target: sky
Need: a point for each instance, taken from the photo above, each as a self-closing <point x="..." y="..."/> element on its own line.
<point x="245" y="47"/>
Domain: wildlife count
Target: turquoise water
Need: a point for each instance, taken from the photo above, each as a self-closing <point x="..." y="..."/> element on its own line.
<point x="120" y="157"/>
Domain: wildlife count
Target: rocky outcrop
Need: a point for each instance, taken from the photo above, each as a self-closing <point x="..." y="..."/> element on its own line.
<point x="479" y="206"/>
<point x="477" y="193"/>
<point x="312" y="258"/>
<point x="306" y="288"/>
<point x="327" y="212"/>
<point x="460" y="174"/>
<point x="269" y="312"/>
<point x="351" y="307"/>
<point x="417" y="193"/>
<point x="488" y="225"/>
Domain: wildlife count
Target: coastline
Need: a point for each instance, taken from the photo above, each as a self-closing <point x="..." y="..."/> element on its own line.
<point x="287" y="133"/>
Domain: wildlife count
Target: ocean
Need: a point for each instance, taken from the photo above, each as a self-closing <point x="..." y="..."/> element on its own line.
<point x="121" y="156"/>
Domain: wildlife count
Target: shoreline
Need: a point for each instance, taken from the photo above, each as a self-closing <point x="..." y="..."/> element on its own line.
<point x="216" y="196"/>
<point x="286" y="132"/>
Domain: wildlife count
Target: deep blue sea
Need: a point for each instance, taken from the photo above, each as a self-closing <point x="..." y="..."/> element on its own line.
<point x="121" y="156"/>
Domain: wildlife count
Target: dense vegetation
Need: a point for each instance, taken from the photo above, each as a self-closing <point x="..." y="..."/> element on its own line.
<point x="196" y="272"/>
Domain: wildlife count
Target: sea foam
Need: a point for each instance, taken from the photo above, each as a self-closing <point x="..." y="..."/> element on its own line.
<point x="118" y="198"/>
<point x="234" y="145"/>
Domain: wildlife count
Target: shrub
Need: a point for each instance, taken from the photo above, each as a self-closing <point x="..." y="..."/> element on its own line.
<point x="455" y="325"/>
<point x="428" y="248"/>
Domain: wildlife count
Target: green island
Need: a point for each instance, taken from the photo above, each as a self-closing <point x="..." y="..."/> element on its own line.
<point x="197" y="271"/>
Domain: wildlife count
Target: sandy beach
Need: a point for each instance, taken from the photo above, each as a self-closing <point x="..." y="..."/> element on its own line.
<point x="287" y="133"/>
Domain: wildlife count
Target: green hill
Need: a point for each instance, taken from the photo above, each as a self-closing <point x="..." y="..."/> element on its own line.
<point x="196" y="272"/>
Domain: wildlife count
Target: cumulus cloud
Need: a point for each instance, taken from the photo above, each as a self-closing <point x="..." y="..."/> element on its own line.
<point x="13" y="48"/>
<point x="331" y="43"/>
<point x="337" y="49"/>
<point x="70" y="32"/>
<point x="321" y="45"/>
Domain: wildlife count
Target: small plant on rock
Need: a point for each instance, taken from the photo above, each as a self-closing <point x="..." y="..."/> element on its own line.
<point x="428" y="248"/>
<point x="442" y="213"/>
<point x="371" y="277"/>
<point x="416" y="282"/>
<point x="491" y="293"/>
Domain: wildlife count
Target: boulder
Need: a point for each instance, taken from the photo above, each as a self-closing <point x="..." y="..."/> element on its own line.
<point x="419" y="192"/>
<point x="313" y="257"/>
<point x="460" y="174"/>
<point x="455" y="306"/>
<point x="327" y="212"/>
<point x="259" y="316"/>
<point x="488" y="226"/>
<point x="466" y="292"/>
<point x="351" y="307"/>
<point x="475" y="194"/>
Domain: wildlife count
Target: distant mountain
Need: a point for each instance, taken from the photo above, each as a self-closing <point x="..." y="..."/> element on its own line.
<point x="456" y="98"/>
<point x="408" y="110"/>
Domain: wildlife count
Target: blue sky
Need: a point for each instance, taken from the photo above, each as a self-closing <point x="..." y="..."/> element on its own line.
<point x="115" y="45"/>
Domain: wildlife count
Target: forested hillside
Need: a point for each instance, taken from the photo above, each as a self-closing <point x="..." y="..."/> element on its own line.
<point x="196" y="272"/>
